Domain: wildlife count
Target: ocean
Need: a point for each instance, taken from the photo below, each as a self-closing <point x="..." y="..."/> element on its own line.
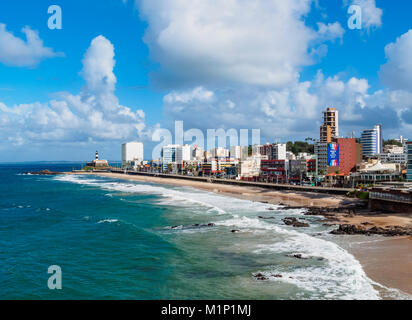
<point x="117" y="239"/>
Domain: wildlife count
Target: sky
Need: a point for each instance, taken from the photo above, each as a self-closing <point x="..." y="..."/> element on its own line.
<point x="121" y="70"/>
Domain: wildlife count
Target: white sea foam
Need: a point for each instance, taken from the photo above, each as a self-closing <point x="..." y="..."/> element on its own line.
<point x="108" y="221"/>
<point x="175" y="196"/>
<point x="338" y="276"/>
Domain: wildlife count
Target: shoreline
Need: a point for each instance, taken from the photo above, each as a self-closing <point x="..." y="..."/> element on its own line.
<point x="385" y="260"/>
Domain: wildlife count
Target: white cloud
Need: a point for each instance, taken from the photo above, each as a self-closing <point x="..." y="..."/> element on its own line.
<point x="397" y="72"/>
<point x="93" y="115"/>
<point x="371" y="14"/>
<point x="205" y="42"/>
<point x="295" y="112"/>
<point x="330" y="31"/>
<point x="17" y="52"/>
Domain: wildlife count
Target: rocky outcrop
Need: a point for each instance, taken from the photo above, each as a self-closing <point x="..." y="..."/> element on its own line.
<point x="42" y="173"/>
<point x="290" y="221"/>
<point x="350" y="229"/>
<point x="193" y="226"/>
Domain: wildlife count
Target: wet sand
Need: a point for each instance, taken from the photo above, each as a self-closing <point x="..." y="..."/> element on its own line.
<point x="387" y="261"/>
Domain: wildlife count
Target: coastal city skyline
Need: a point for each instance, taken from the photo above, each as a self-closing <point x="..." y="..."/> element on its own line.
<point x="205" y="158"/>
<point x="52" y="105"/>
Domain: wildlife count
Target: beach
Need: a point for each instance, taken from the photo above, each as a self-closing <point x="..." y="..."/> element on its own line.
<point x="386" y="260"/>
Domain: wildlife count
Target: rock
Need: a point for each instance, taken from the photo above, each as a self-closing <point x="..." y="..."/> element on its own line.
<point x="271" y="209"/>
<point x="350" y="229"/>
<point x="277" y="276"/>
<point x="260" y="276"/>
<point x="290" y="221"/>
<point x="43" y="173"/>
<point x="235" y="231"/>
<point x="297" y="256"/>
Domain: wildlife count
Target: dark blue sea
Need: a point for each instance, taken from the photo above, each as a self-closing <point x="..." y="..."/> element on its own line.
<point x="117" y="239"/>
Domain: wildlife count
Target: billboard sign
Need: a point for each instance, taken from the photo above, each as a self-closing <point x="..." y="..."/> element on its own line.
<point x="333" y="155"/>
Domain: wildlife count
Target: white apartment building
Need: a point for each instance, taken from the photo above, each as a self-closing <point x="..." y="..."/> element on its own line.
<point x="132" y="153"/>
<point x="236" y="152"/>
<point x="219" y="152"/>
<point x="393" y="158"/>
<point x="250" y="167"/>
<point x="198" y="154"/>
<point x="176" y="154"/>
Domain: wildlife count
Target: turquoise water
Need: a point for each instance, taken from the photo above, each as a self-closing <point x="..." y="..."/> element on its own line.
<point x="113" y="239"/>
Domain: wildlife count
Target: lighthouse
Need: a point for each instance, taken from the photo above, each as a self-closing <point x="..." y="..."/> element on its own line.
<point x="96" y="163"/>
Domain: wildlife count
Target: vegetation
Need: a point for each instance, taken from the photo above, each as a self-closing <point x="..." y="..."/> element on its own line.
<point x="364" y="195"/>
<point x="392" y="142"/>
<point x="300" y="146"/>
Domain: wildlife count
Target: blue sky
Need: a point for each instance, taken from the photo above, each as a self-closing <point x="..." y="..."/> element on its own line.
<point x="271" y="65"/>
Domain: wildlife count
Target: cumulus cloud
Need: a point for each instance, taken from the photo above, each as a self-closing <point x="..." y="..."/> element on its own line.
<point x="397" y="72"/>
<point x="330" y="31"/>
<point x="248" y="42"/>
<point x="294" y="112"/>
<point x="93" y="115"/>
<point x="17" y="52"/>
<point x="371" y="14"/>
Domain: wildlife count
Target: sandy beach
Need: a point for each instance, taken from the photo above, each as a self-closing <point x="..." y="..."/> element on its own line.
<point x="386" y="260"/>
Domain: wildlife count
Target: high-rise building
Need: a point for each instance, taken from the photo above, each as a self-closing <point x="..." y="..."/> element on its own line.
<point x="330" y="126"/>
<point x="274" y="151"/>
<point x="176" y="154"/>
<point x="236" y="152"/>
<point x="409" y="161"/>
<point x="350" y="154"/>
<point x="372" y="141"/>
<point x="132" y="152"/>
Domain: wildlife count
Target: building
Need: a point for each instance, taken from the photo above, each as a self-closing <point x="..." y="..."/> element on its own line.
<point x="219" y="152"/>
<point x="96" y="163"/>
<point x="274" y="151"/>
<point x="245" y="153"/>
<point x="409" y="161"/>
<point x="132" y="154"/>
<point x="184" y="153"/>
<point x="297" y="170"/>
<point x="250" y="168"/>
<point x="393" y="158"/>
<point x="290" y="155"/>
<point x="198" y="154"/>
<point x="390" y="148"/>
<point x="374" y="171"/>
<point x="330" y="127"/>
<point x="169" y="154"/>
<point x="274" y="170"/>
<point x="321" y="152"/>
<point x="236" y="152"/>
<point x="372" y="142"/>
<point x="350" y="155"/>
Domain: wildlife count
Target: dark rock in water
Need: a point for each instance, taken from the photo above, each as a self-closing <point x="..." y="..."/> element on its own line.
<point x="297" y="256"/>
<point x="290" y="221"/>
<point x="260" y="276"/>
<point x="271" y="209"/>
<point x="193" y="226"/>
<point x="277" y="276"/>
<point x="43" y="173"/>
<point x="235" y="231"/>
